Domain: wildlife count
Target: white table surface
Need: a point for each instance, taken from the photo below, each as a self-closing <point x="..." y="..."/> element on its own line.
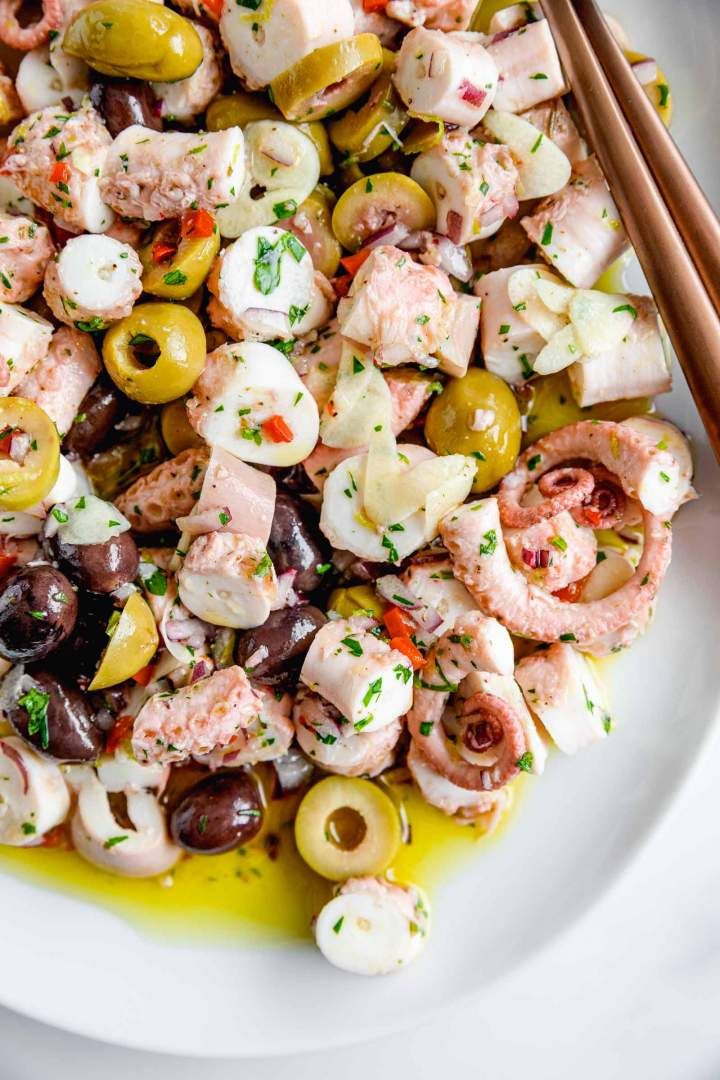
<point x="631" y="993"/>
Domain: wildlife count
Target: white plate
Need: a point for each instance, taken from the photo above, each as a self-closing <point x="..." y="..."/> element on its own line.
<point x="81" y="968"/>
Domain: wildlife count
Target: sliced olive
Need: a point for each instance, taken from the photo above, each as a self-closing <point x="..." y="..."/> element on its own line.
<point x="311" y="223"/>
<point x="450" y="426"/>
<point x="378" y="201"/>
<point x="176" y="430"/>
<point x="237" y="110"/>
<point x="114" y="469"/>
<point x="180" y="273"/>
<point x="422" y="135"/>
<point x="133" y="643"/>
<point x="363" y="134"/>
<point x="328" y="79"/>
<point x="347" y="827"/>
<point x="156" y="353"/>
<point x="356" y="600"/>
<point x="25" y="482"/>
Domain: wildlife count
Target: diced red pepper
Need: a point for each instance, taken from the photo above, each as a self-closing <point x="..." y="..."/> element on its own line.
<point x="6" y="443"/>
<point x="162" y="251"/>
<point x="119" y="732"/>
<point x="341" y="285"/>
<point x="571" y="593"/>
<point x="277" y="430"/>
<point x="352" y="263"/>
<point x="370" y="6"/>
<point x="397" y="623"/>
<point x="591" y="516"/>
<point x="60" y="173"/>
<point x="214" y="7"/>
<point x="408" y="648"/>
<point x="144" y="675"/>
<point x="195" y="224"/>
<point x="6" y="564"/>
<point x="57" y="838"/>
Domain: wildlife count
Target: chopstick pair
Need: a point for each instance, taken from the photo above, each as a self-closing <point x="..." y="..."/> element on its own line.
<point x="670" y="223"/>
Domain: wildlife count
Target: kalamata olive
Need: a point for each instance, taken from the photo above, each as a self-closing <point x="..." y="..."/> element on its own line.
<point x="295" y="543"/>
<point x="123" y="102"/>
<point x="38" y="609"/>
<point x="284" y="637"/>
<point x="218" y="814"/>
<point x="100" y="408"/>
<point x="56" y="719"/>
<point x="101" y="568"/>
<point x="77" y="659"/>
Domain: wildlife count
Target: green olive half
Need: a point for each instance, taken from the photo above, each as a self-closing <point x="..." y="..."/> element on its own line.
<point x="378" y="201"/>
<point x="134" y="39"/>
<point x="156" y="353"/>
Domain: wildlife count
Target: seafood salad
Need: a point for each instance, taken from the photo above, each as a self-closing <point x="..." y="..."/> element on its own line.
<point x="325" y="454"/>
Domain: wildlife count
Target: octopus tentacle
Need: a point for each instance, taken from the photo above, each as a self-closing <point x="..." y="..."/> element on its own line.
<point x="606" y="505"/>
<point x="28" y="37"/>
<point x="453" y="657"/>
<point x="475" y="541"/>
<point x="321" y="733"/>
<point x="642" y="469"/>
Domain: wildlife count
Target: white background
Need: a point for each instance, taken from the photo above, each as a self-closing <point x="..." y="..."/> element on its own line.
<point x="633" y="991"/>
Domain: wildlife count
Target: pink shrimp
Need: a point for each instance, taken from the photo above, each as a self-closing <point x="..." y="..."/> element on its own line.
<point x="28" y="37"/>
<point x="488" y="722"/>
<point x="474" y="538"/>
<point x="644" y="472"/>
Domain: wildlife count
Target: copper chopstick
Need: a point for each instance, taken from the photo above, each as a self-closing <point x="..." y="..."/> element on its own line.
<point x="695" y="219"/>
<point x="686" y="309"/>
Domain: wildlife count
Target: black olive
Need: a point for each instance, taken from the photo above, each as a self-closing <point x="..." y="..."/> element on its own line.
<point x="287" y="635"/>
<point x="101" y="568"/>
<point x="218" y="814"/>
<point x="57" y="720"/>
<point x="295" y="543"/>
<point x="77" y="659"/>
<point x="123" y="102"/>
<point x="99" y="410"/>
<point x="38" y="609"/>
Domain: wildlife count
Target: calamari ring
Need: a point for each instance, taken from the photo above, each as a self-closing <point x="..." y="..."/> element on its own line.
<point x="28" y="37"/>
<point x="643" y="470"/>
<point x="451" y="659"/>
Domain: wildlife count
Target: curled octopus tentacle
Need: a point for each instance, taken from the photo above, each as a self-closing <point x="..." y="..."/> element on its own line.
<point x="28" y="37"/>
<point x="638" y="466"/>
<point x="324" y="736"/>
<point x="606" y="505"/>
<point x="487" y="722"/>
<point x="475" y="541"/>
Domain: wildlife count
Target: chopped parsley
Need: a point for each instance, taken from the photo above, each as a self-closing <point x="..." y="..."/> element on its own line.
<point x="35" y="703"/>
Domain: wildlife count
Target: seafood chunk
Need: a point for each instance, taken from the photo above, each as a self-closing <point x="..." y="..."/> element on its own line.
<point x="228" y="579"/>
<point x="234" y="498"/>
<point x="33" y="795"/>
<point x="561" y="689"/>
<point x="60" y="380"/>
<point x="528" y="65"/>
<point x="92" y="282"/>
<point x="186" y="98"/>
<point x="450" y="76"/>
<point x="169" y="491"/>
<point x="25" y="252"/>
<point x="24" y="339"/>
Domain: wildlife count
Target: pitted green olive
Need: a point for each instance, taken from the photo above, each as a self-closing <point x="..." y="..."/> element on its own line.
<point x="134" y="39"/>
<point x="237" y="110"/>
<point x="177" y="276"/>
<point x="363" y="134"/>
<point x="328" y="79"/>
<point x="451" y="428"/>
<point x="377" y="201"/>
<point x="24" y="483"/>
<point x="156" y="353"/>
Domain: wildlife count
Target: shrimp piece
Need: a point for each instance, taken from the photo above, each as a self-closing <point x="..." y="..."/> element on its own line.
<point x="207" y="715"/>
<point x="169" y="491"/>
<point x="645" y="472"/>
<point x="59" y="381"/>
<point x="488" y="724"/>
<point x="436" y="14"/>
<point x="267" y="736"/>
<point x="464" y="805"/>
<point x="26" y="250"/>
<point x="474" y="537"/>
<point x="331" y="743"/>
<point x="28" y="37"/>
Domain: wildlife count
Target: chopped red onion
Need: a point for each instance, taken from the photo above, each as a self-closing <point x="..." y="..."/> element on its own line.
<point x="474" y="95"/>
<point x="201" y="670"/>
<point x="453" y="224"/>
<point x="390" y="234"/>
<point x="536" y="559"/>
<point x="274" y="156"/>
<point x="18" y="762"/>
<point x="437" y="250"/>
<point x="19" y="446"/>
<point x="395" y="590"/>
<point x="645" y="70"/>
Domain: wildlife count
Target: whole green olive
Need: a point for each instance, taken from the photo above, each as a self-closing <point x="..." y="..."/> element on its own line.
<point x="479" y="416"/>
<point x="134" y="39"/>
<point x="156" y="353"/>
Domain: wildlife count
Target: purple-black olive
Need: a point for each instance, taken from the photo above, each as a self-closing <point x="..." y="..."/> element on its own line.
<point x="56" y="719"/>
<point x="218" y="814"/>
<point x="295" y="543"/>
<point x="99" y="410"/>
<point x="38" y="609"/>
<point x="123" y="102"/>
<point x="284" y="637"/>
<point x="77" y="659"/>
<point x="101" y="568"/>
